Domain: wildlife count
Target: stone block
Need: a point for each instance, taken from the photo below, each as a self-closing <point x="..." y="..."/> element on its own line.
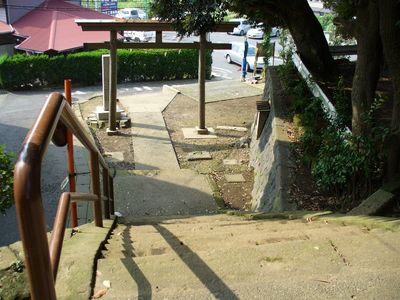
<point x="233" y="128"/>
<point x="230" y="162"/>
<point x="114" y="157"/>
<point x="102" y="114"/>
<point x="7" y="258"/>
<point x="125" y="122"/>
<point x="235" y="178"/>
<point x="373" y="204"/>
<point x="93" y="124"/>
<point x="191" y="133"/>
<point x="199" y="155"/>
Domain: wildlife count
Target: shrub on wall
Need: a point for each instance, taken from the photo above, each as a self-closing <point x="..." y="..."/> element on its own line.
<point x="6" y="180"/>
<point x="27" y="71"/>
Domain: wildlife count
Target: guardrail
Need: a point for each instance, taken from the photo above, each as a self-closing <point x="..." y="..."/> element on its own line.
<point x="42" y="257"/>
<point x="315" y="89"/>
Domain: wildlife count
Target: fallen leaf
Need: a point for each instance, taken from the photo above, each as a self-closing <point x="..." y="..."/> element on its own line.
<point x="107" y="283"/>
<point x="99" y="294"/>
<point x="324" y="281"/>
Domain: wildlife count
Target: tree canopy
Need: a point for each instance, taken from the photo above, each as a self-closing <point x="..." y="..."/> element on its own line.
<point x="191" y="17"/>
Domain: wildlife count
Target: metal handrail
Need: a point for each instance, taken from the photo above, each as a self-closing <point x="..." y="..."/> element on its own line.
<point x="42" y="259"/>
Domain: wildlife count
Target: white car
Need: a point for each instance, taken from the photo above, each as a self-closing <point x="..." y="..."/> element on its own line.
<point x="255" y="33"/>
<point x="242" y="28"/>
<point x="235" y="55"/>
<point x="258" y="32"/>
<point x="131" y="14"/>
<point x="138" y="36"/>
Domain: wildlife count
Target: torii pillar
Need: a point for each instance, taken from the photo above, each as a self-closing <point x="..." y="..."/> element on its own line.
<point x="112" y="128"/>
<point x="201" y="129"/>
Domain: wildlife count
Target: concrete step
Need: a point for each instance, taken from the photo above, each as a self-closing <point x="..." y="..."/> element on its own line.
<point x="163" y="193"/>
<point x="78" y="260"/>
<point x="239" y="259"/>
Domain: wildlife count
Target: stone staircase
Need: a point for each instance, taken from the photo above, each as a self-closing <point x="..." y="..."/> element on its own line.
<point x="227" y="257"/>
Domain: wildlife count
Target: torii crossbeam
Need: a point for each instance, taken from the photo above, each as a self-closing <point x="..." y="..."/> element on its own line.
<point x="116" y="25"/>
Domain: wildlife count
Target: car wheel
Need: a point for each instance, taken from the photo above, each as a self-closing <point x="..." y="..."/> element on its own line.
<point x="241" y="32"/>
<point x="137" y="40"/>
<point x="228" y="59"/>
<point x="277" y="33"/>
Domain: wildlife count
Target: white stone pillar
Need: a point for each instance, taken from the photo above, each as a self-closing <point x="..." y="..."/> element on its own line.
<point x="105" y="59"/>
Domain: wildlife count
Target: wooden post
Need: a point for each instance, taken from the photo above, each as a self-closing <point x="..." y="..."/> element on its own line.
<point x="71" y="163"/>
<point x="94" y="169"/>
<point x="106" y="193"/>
<point x="111" y="130"/>
<point x="202" y="85"/>
<point x="273" y="53"/>
<point x="158" y="37"/>
<point x="57" y="235"/>
<point x="111" y="193"/>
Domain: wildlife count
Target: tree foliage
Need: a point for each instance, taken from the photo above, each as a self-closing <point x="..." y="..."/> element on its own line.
<point x="191" y="17"/>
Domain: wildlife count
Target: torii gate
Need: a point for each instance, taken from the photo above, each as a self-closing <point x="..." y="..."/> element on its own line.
<point x="113" y="26"/>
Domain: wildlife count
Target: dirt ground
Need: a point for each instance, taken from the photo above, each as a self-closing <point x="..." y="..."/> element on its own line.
<point x="183" y="112"/>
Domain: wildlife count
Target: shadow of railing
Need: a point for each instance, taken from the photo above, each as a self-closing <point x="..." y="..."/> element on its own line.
<point x="203" y="272"/>
<point x="144" y="286"/>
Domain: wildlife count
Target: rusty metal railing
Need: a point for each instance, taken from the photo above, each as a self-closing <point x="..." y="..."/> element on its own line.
<point x="42" y="257"/>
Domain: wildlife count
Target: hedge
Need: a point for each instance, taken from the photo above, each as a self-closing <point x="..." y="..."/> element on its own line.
<point x="84" y="68"/>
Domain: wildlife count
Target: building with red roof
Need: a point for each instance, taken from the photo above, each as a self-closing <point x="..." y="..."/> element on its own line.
<point x="50" y="28"/>
<point x="7" y="40"/>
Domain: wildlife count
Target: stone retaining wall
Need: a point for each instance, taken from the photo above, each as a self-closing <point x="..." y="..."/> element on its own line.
<point x="270" y="154"/>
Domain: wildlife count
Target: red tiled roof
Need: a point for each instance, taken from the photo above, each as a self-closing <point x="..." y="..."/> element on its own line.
<point x="5" y="28"/>
<point x="51" y="27"/>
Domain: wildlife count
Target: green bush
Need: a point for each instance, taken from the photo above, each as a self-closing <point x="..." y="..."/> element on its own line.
<point x="342" y="164"/>
<point x="6" y="180"/>
<point x="84" y="68"/>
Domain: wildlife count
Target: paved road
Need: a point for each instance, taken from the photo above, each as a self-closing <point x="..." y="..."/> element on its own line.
<point x="17" y="114"/>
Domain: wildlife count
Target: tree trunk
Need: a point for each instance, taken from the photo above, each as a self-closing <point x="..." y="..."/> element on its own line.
<point x="308" y="36"/>
<point x="390" y="35"/>
<point x="369" y="55"/>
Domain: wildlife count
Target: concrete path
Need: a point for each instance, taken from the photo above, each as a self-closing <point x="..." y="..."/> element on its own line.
<point x="153" y="149"/>
<point x="158" y="187"/>
<point x="225" y="257"/>
<point x="163" y="193"/>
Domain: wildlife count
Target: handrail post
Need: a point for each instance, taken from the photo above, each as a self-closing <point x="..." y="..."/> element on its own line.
<point x="94" y="169"/>
<point x="71" y="163"/>
<point x="106" y="193"/>
<point x="57" y="235"/>
<point x="111" y="194"/>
